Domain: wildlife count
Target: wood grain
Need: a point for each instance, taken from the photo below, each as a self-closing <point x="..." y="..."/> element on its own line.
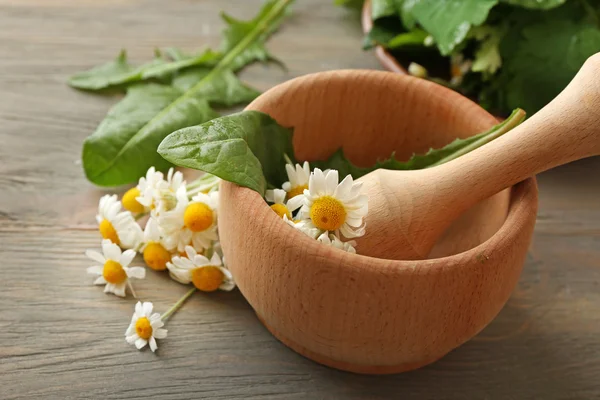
<point x="61" y="338"/>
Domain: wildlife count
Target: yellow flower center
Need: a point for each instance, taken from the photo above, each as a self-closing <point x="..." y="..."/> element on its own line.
<point x="295" y="191"/>
<point x="130" y="203"/>
<point x="281" y="210"/>
<point x="108" y="231"/>
<point x="208" y="278"/>
<point x="198" y="217"/>
<point x="113" y="272"/>
<point x="156" y="256"/>
<point x="143" y="328"/>
<point x="328" y="213"/>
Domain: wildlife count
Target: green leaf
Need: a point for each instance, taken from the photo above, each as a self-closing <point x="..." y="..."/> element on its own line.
<point x="224" y="89"/>
<point x="238" y="30"/>
<point x="383" y="8"/>
<point x="206" y="58"/>
<point x="420" y="161"/>
<point x="247" y="148"/>
<point x="535" y="4"/>
<point x="124" y="145"/>
<point x="412" y="38"/>
<point x="119" y="73"/>
<point x="127" y="129"/>
<point x="487" y="57"/>
<point x="544" y="60"/>
<point x="404" y="8"/>
<point x="449" y="21"/>
<point x="382" y="32"/>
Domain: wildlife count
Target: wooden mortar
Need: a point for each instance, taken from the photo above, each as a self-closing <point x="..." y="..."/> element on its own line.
<point x="364" y="314"/>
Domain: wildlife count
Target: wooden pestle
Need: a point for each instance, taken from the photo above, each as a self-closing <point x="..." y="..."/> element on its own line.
<point x="409" y="210"/>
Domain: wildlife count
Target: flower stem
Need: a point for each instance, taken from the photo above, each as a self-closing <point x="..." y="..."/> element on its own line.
<point x="176" y="306"/>
<point x="509" y="123"/>
<point x="287" y="158"/>
<point x="131" y="288"/>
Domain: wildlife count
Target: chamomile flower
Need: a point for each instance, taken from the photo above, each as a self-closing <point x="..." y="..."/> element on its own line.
<point x="145" y="327"/>
<point x="298" y="176"/>
<point x="334" y="241"/>
<point x="114" y="271"/>
<point x="281" y="208"/>
<point x="191" y="222"/>
<point x="305" y="226"/>
<point x="155" y="250"/>
<point x="458" y="68"/>
<point x="206" y="275"/>
<point x="139" y="199"/>
<point x="116" y="225"/>
<point x="335" y="207"/>
<point x="156" y="193"/>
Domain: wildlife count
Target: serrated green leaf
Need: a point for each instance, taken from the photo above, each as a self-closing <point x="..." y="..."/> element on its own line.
<point x="119" y="73"/>
<point x="124" y="145"/>
<point x="207" y="58"/>
<point x="237" y="30"/>
<point x="113" y="73"/>
<point x="449" y="21"/>
<point x="544" y="60"/>
<point x="247" y="148"/>
<point x="535" y="4"/>
<point x="420" y="161"/>
<point x="110" y="157"/>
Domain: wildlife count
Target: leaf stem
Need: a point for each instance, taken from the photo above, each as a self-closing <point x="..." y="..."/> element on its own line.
<point x="179" y="303"/>
<point x="517" y="116"/>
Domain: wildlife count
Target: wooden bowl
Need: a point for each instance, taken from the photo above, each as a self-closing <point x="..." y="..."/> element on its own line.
<point x="363" y="314"/>
<point x="387" y="60"/>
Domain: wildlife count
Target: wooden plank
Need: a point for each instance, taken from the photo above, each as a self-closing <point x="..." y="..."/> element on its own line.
<point x="62" y="338"/>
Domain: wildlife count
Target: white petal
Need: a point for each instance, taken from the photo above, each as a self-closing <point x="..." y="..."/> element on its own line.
<point x="181" y="276"/>
<point x="109" y="288"/>
<point x="119" y="289"/>
<point x="215" y="260"/>
<point x="287" y="186"/>
<point x="160" y="333"/>
<point x="295" y="202"/>
<point x="100" y="281"/>
<point x="270" y="196"/>
<point x="131" y="339"/>
<point x="94" y="255"/>
<point x="127" y="257"/>
<point x="190" y="252"/>
<point x="343" y="189"/>
<point x="331" y="181"/>
<point x="227" y="286"/>
<point x="147" y="308"/>
<point x="111" y="250"/>
<point x="135" y="272"/>
<point x="95" y="270"/>
<point x="153" y="345"/>
<point x="155" y="320"/>
<point x="291" y="173"/>
<point x="130" y="329"/>
<point x="139" y="343"/>
<point x="138" y="310"/>
<point x="316" y="183"/>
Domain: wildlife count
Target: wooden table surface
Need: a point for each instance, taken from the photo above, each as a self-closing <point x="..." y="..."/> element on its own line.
<point x="61" y="338"/>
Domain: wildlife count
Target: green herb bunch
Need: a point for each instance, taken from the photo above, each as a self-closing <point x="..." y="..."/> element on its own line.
<point x="173" y="91"/>
<point x="504" y="53"/>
